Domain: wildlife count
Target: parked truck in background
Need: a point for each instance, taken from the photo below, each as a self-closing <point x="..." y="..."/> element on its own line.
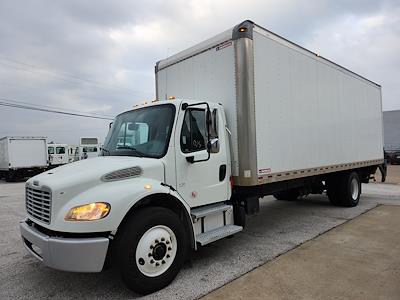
<point x="22" y="156"/>
<point x="254" y="115"/>
<point x="73" y="153"/>
<point x="58" y="154"/>
<point x="88" y="148"/>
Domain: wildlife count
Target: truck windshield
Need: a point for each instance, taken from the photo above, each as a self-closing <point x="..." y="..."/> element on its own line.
<point x="143" y="132"/>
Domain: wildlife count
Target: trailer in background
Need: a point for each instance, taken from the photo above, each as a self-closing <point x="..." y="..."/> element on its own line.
<point x="22" y="156"/>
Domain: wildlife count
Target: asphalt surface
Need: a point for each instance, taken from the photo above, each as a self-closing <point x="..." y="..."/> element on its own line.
<point x="278" y="228"/>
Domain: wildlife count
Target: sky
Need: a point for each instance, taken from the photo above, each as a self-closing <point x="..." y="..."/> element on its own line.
<point x="97" y="57"/>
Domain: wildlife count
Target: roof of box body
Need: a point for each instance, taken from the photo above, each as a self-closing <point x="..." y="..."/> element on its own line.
<point x="232" y="34"/>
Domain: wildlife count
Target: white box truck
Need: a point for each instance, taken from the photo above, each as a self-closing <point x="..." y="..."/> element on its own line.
<point x="266" y="117"/>
<point x="22" y="156"/>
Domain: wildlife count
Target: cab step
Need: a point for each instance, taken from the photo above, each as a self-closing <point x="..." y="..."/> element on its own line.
<point x="216" y="234"/>
<point x="198" y="213"/>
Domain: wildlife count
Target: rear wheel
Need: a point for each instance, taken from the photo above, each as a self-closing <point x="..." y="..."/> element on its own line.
<point x="344" y="189"/>
<point x="151" y="249"/>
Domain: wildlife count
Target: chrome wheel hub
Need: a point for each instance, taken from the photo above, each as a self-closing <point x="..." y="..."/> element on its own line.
<point x="355" y="188"/>
<point x="156" y="251"/>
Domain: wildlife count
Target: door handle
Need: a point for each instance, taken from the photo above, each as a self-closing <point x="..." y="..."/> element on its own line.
<point x="222" y="172"/>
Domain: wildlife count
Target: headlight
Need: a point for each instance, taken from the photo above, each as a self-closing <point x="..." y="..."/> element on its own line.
<point x="88" y="212"/>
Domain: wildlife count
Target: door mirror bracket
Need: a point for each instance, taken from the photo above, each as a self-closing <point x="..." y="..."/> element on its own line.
<point x="213" y="145"/>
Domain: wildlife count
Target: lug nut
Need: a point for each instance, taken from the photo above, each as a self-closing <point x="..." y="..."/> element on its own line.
<point x="151" y="247"/>
<point x="167" y="242"/>
<point x="157" y="264"/>
<point x="163" y="262"/>
<point x="169" y="248"/>
<point x="141" y="261"/>
<point x="168" y="256"/>
<point x="150" y="255"/>
<point x="162" y="239"/>
<point x="156" y="241"/>
<point x="152" y="261"/>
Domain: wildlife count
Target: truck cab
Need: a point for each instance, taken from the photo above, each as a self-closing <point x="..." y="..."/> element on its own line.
<point x="160" y="187"/>
<point x="58" y="154"/>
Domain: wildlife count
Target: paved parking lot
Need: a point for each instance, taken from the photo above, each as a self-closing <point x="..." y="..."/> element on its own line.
<point x="356" y="260"/>
<point x="279" y="227"/>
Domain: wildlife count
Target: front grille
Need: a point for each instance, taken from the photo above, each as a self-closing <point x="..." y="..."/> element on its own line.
<point x="38" y="204"/>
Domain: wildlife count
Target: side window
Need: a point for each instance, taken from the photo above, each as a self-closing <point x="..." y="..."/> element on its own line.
<point x="60" y="150"/>
<point x="193" y="134"/>
<point x="51" y="150"/>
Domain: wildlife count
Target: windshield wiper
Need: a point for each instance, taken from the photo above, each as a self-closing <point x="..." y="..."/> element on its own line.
<point x="140" y="154"/>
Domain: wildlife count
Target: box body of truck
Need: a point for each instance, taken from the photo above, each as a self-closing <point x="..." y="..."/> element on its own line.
<point x="291" y="112"/>
<point x="22" y="156"/>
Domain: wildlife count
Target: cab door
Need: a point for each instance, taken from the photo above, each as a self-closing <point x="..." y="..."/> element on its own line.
<point x="202" y="177"/>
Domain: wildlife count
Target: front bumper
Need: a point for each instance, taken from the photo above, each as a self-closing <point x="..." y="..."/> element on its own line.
<point x="66" y="254"/>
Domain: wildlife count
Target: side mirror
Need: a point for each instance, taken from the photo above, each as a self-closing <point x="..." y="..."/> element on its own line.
<point x="109" y="125"/>
<point x="213" y="146"/>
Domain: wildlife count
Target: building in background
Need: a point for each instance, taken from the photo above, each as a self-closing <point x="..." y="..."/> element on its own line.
<point x="391" y="131"/>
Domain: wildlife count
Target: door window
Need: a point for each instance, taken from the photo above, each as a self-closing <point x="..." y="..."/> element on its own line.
<point x="60" y="150"/>
<point x="193" y="134"/>
<point x="51" y="150"/>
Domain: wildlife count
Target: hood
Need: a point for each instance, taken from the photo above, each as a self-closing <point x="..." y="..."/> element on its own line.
<point x="84" y="174"/>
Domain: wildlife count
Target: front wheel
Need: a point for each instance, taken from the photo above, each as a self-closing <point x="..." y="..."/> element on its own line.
<point x="151" y="249"/>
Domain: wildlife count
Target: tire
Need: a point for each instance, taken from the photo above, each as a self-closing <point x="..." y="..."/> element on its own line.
<point x="344" y="189"/>
<point x="288" y="195"/>
<point x="333" y="191"/>
<point x="151" y="249"/>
